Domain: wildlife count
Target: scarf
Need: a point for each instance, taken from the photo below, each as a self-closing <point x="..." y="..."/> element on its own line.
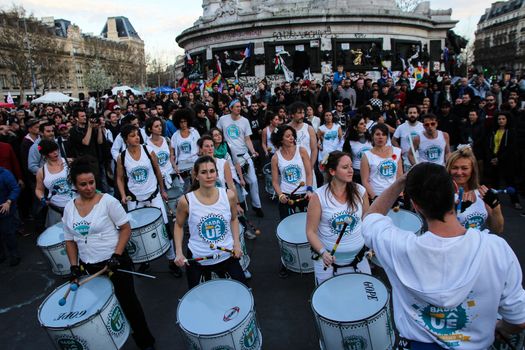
<point x="220" y="152"/>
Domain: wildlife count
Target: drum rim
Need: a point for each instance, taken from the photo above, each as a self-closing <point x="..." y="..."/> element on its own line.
<point x="277" y="229"/>
<point x="139" y="227"/>
<point x="215" y="335"/>
<point x="412" y="213"/>
<point x="80" y="323"/>
<point x="355" y="321"/>
<point x="294" y="244"/>
<point x="47" y="228"/>
<point x="51" y="246"/>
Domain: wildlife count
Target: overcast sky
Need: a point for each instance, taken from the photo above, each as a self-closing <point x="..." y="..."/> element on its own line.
<point x="158" y="22"/>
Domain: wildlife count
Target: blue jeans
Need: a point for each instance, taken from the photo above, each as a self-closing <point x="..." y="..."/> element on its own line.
<point x="8" y="226"/>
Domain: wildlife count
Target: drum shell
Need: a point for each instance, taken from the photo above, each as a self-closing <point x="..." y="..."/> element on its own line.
<point x="374" y="332"/>
<point x="268" y="186"/>
<point x="245" y="258"/>
<point x="96" y="332"/>
<point x="148" y="241"/>
<point x="56" y="254"/>
<point x="296" y="254"/>
<point x="174" y="193"/>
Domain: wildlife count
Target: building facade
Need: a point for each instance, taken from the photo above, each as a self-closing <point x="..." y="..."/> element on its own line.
<point x="500" y="37"/>
<point x="312" y="37"/>
<point x="118" y="48"/>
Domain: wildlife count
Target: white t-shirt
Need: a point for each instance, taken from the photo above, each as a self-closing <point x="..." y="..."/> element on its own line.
<point x="186" y="149"/>
<point x="96" y="234"/>
<point x="58" y="185"/>
<point x="142" y="181"/>
<point x="163" y="159"/>
<point x="475" y="216"/>
<point x="292" y="172"/>
<point x="330" y="139"/>
<point x="432" y="150"/>
<point x="235" y="132"/>
<point x="383" y="171"/>
<point x="448" y="290"/>
<point x="402" y="132"/>
<point x="358" y="149"/>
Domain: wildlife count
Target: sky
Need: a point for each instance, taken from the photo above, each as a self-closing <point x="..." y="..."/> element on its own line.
<point x="158" y="22"/>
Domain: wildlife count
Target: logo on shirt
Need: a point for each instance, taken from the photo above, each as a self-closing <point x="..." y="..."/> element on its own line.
<point x="60" y="186"/>
<point x="185" y="147"/>
<point x="387" y="169"/>
<point x="433" y="153"/>
<point x="338" y="220"/>
<point x="139" y="174"/>
<point x="233" y="131"/>
<point x="81" y="227"/>
<point x="163" y="158"/>
<point x="292" y="174"/>
<point x="250" y="336"/>
<point x="354" y="342"/>
<point x="362" y="151"/>
<point x="331" y="135"/>
<point x="212" y="228"/>
<point x="474" y="220"/>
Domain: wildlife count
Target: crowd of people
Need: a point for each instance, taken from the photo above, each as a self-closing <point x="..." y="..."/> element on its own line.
<point x="332" y="148"/>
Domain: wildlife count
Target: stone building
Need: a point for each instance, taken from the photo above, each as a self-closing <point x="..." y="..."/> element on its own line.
<point x="119" y="49"/>
<point x="500" y="37"/>
<point x="311" y="36"/>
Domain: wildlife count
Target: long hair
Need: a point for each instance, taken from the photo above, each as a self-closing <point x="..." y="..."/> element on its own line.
<point x="201" y="160"/>
<point x="466" y="153"/>
<point x="352" y="194"/>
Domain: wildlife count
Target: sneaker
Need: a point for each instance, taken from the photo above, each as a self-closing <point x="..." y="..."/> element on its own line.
<point x="249" y="234"/>
<point x="175" y="270"/>
<point x="259" y="212"/>
<point x="247" y="274"/>
<point x="144" y="267"/>
<point x="518" y="206"/>
<point x="14" y="261"/>
<point x="283" y="272"/>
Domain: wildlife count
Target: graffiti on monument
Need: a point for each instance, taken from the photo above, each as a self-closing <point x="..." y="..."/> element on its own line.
<point x="304" y="34"/>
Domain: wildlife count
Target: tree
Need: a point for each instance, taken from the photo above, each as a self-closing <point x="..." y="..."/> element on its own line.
<point x="407" y="5"/>
<point x="96" y="79"/>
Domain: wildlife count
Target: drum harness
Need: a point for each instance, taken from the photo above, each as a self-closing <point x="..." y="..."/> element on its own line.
<point x="126" y="188"/>
<point x="357" y="259"/>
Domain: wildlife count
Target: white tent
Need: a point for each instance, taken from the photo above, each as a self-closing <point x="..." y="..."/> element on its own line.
<point x="124" y="88"/>
<point x="54" y="97"/>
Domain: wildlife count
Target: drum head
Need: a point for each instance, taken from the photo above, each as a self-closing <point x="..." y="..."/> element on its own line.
<point x="406" y="220"/>
<point x="267" y="169"/>
<point x="350" y="297"/>
<point x="214" y="307"/>
<point x="293" y="229"/>
<point x="80" y="305"/>
<point x="143" y="216"/>
<point x="51" y="236"/>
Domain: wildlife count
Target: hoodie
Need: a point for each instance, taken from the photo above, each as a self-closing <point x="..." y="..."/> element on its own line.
<point x="448" y="291"/>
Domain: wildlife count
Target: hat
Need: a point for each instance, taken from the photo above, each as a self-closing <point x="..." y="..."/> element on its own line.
<point x="62" y="126"/>
<point x="31" y="122"/>
<point x="419" y="84"/>
<point x="116" y="107"/>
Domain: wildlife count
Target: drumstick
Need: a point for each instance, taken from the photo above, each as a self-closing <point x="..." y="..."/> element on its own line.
<point x="213" y="246"/>
<point x="84" y="281"/>
<point x="301" y="184"/>
<point x="292" y="201"/>
<point x="136" y="273"/>
<point x="345" y="225"/>
<point x="412" y="148"/>
<point x="460" y="199"/>
<point x="72" y="287"/>
<point x="170" y="212"/>
<point x="209" y="257"/>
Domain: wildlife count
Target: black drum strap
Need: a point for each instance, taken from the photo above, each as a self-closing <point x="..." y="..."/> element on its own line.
<point x="357" y="259"/>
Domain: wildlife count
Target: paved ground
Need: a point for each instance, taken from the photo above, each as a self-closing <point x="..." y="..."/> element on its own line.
<point x="283" y="307"/>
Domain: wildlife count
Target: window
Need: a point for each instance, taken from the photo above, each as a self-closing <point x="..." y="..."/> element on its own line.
<point x="14" y="81"/>
<point x="230" y="59"/>
<point x="3" y="82"/>
<point x="355" y="54"/>
<point x="302" y="55"/>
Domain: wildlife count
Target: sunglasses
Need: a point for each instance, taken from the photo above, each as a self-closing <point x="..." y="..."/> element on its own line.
<point x="426" y="125"/>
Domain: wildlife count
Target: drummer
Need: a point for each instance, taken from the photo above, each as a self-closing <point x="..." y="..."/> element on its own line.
<point x="184" y="143"/>
<point x="161" y="146"/>
<point x="480" y="207"/>
<point x="212" y="219"/>
<point x="451" y="284"/>
<point x="339" y="200"/>
<point x="96" y="231"/>
<point x="52" y="179"/>
<point x="272" y="121"/>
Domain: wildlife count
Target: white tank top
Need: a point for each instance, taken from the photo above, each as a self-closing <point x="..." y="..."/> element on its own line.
<point x="59" y="184"/>
<point x="476" y="215"/>
<point x="209" y="224"/>
<point x="432" y="150"/>
<point x="330" y="137"/>
<point x="333" y="215"/>
<point x="141" y="177"/>
<point x="383" y="171"/>
<point x="163" y="156"/>
<point x="186" y="149"/>
<point x="292" y="172"/>
<point x="269" y="144"/>
<point x="303" y="138"/>
<point x="358" y="149"/>
<point x="221" y="179"/>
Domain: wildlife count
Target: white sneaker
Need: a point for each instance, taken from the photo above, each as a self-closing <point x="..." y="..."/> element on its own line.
<point x="247" y="274"/>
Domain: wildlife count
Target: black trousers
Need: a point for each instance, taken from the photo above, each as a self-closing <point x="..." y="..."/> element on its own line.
<point x="127" y="297"/>
<point x="195" y="272"/>
<point x="286" y="210"/>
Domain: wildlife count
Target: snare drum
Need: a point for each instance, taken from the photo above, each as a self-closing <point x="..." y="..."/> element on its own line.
<point x="268" y="186"/>
<point x="52" y="243"/>
<point x="149" y="238"/>
<point x="174" y="193"/>
<point x="352" y="312"/>
<point x="91" y="318"/>
<point x="219" y="314"/>
<point x="245" y="258"/>
<point x="404" y="220"/>
<point x="295" y="249"/>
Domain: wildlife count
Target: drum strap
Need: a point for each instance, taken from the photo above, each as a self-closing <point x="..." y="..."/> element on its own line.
<point x="406" y="344"/>
<point x="357" y="259"/>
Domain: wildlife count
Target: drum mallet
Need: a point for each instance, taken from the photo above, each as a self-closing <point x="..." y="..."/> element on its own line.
<point x="292" y="201"/>
<point x="137" y="273"/>
<point x="301" y="184"/>
<point x="345" y="225"/>
<point x="209" y="257"/>
<point x="72" y="287"/>
<point x="95" y="275"/>
<point x="460" y="199"/>
<point x="412" y="148"/>
<point x="213" y="246"/>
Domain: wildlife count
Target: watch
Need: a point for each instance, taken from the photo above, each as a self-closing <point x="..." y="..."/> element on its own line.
<point x="322" y="251"/>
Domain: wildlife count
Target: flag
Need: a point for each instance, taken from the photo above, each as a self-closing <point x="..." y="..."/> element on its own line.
<point x="189" y="60"/>
<point x="10" y="98"/>
<point x="248" y="51"/>
<point x="216" y="79"/>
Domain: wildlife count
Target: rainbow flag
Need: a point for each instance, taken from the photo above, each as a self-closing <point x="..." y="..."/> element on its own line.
<point x="216" y="79"/>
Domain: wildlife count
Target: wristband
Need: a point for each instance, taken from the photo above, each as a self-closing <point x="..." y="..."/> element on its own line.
<point x="309" y="189"/>
<point x="281" y="195"/>
<point x="322" y="251"/>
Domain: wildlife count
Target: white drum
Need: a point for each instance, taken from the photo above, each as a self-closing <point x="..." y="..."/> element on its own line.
<point x="268" y="186"/>
<point x="174" y="193"/>
<point x="405" y="220"/>
<point x="52" y="243"/>
<point x="91" y="318"/>
<point x="352" y="312"/>
<point x="245" y="258"/>
<point x="149" y="238"/>
<point x="219" y="314"/>
<point x="296" y="255"/>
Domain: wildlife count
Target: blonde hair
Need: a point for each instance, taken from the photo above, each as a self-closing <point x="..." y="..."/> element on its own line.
<point x="465" y="152"/>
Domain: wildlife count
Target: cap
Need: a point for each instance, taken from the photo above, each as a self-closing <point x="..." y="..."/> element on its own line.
<point x="62" y="126"/>
<point x="116" y="107"/>
<point x="31" y="122"/>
